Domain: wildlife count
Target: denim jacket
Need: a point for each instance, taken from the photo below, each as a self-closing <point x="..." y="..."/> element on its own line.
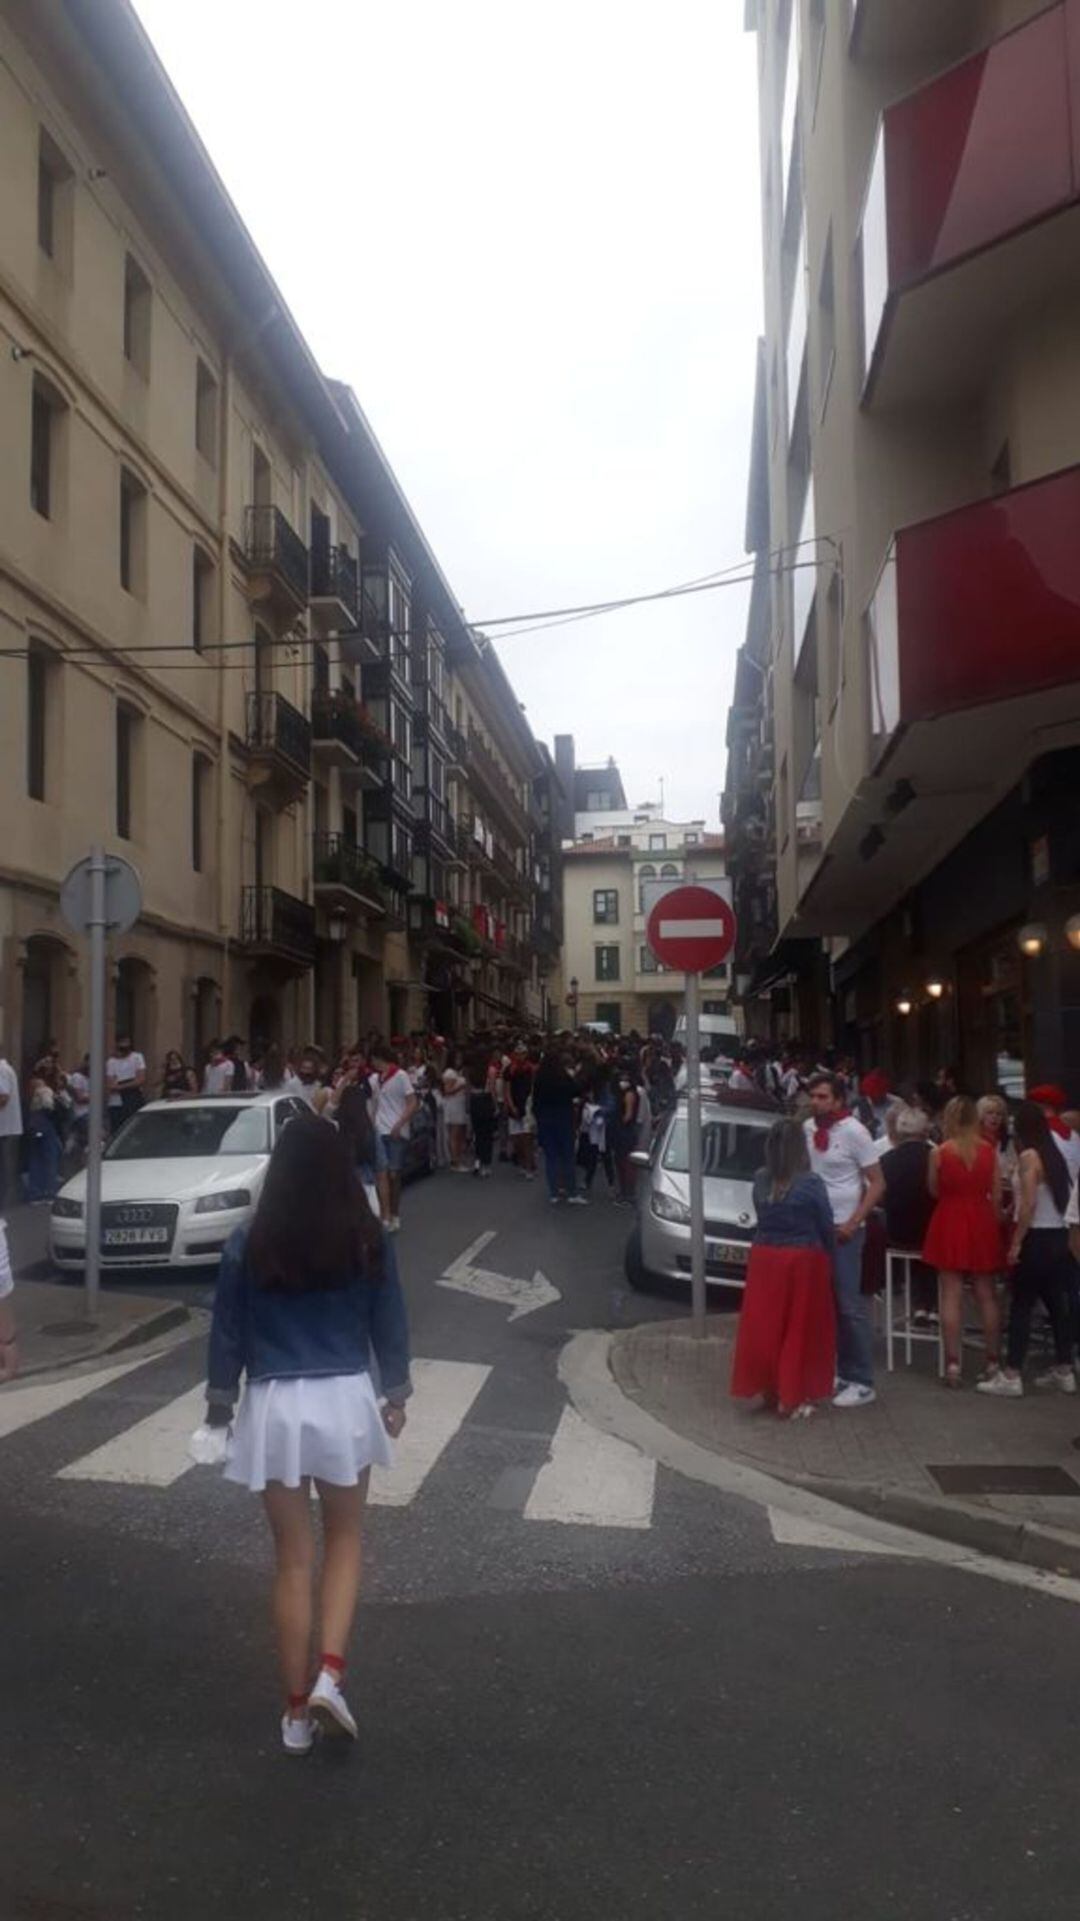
<point x="269" y="1335"/>
<point x="802" y="1218"/>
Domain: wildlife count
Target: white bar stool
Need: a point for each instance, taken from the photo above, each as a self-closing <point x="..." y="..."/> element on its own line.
<point x="906" y="1258"/>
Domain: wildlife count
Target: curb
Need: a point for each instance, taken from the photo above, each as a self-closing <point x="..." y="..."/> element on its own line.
<point x="995" y="1536"/>
<point x="169" y="1315"/>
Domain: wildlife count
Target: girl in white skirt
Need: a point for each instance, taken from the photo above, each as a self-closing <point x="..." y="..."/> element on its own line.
<point x="305" y="1296"/>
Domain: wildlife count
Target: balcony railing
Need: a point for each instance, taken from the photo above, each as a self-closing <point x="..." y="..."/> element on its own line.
<point x="458" y="746"/>
<point x="978" y="606"/>
<point x="338" y="863"/>
<point x="277" y="729"/>
<point x="984" y="154"/>
<point x="340" y="719"/>
<point x="335" y="577"/>
<point x="272" y="546"/>
<point x="277" y="924"/>
<point x="484" y="764"/>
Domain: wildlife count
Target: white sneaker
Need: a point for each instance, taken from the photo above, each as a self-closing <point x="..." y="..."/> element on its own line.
<point x="328" y="1706"/>
<point x="1008" y="1385"/>
<point x="530" y="1177"/>
<point x="393" y="1225"/>
<point x="297" y="1733"/>
<point x="554" y="1199"/>
<point x="854" y="1394"/>
<point x="1062" y="1378"/>
<point x="577" y="1200"/>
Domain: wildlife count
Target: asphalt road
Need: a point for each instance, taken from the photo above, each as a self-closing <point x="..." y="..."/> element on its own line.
<point x="653" y="1709"/>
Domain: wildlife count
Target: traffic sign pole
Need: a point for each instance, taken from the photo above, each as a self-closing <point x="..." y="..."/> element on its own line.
<point x="693" y="1159"/>
<point x="96" y="931"/>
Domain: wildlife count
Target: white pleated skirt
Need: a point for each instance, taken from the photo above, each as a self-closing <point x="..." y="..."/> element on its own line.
<point x="327" y="1425"/>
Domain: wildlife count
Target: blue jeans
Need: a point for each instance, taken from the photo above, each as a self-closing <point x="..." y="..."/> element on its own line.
<point x="557" y="1146"/>
<point x="854" y="1331"/>
<point x="43" y="1172"/>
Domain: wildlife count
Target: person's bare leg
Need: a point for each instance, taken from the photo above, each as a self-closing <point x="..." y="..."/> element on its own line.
<point x="951" y="1308"/>
<point x="288" y="1510"/>
<point x="343" y="1513"/>
<point x="990" y="1313"/>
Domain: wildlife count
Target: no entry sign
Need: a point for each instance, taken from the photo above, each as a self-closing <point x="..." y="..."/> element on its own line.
<point x="691" y="929"/>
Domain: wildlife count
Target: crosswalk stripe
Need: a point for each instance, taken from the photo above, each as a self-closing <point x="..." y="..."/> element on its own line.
<point x="19" y="1406"/>
<point x="444" y="1393"/>
<point x="153" y="1453"/>
<point x="593" y="1480"/>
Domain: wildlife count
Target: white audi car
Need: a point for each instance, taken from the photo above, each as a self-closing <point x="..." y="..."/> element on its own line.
<point x="175" y="1181"/>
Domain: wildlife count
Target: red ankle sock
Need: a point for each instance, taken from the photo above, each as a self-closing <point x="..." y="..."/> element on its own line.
<point x="296" y="1702"/>
<point x="335" y="1666"/>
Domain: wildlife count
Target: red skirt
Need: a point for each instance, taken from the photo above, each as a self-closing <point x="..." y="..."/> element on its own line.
<point x="786" y="1344"/>
<point x="964" y="1237"/>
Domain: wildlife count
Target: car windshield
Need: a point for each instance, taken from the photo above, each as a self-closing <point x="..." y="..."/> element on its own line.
<point x="730" y="1149"/>
<point x="185" y="1133"/>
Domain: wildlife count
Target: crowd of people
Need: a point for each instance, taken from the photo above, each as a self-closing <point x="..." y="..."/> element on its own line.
<point x="974" y="1192"/>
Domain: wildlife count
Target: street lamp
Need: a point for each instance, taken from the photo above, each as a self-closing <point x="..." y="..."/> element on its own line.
<point x="1032" y="939"/>
<point x="935" y="988"/>
<point x="1072" y="932"/>
<point x="903" y="1005"/>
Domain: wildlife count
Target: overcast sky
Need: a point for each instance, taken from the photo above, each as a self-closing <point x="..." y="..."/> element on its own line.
<point x="528" y="236"/>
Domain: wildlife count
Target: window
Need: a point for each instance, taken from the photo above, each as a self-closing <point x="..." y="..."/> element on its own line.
<point x="206" y="412"/>
<point x="657" y="843"/>
<point x="693" y="839"/>
<point x="669" y="871"/>
<point x="37" y="711"/>
<point x="605" y="905"/>
<point x="645" y="873"/>
<point x="647" y="961"/>
<point x="41" y="451"/>
<point x="54" y="202"/>
<point x="136" y="317"/>
<point x="200" y="787"/>
<point x="624" y="840"/>
<point x="126" y="724"/>
<point x="202" y="598"/>
<point x="262" y="480"/>
<point x="132" y="533"/>
<point x="607" y="963"/>
<point x="611" y="1012"/>
<point x="598" y="802"/>
<point x="826" y="327"/>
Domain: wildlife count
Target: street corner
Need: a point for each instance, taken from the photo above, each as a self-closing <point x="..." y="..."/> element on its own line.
<point x="55" y="1331"/>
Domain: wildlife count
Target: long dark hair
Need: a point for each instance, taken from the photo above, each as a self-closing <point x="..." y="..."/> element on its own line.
<point x="1032" y="1129"/>
<point x="786" y="1156"/>
<point x="354" y="1120"/>
<point x="313" y="1228"/>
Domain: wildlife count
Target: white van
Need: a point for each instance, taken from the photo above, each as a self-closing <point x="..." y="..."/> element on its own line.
<point x="720" y="1031"/>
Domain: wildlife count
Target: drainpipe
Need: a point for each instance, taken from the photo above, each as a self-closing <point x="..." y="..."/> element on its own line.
<point x="224" y="775"/>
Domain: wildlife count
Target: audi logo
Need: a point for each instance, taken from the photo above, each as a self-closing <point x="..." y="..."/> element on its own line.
<point x="133" y="1216"/>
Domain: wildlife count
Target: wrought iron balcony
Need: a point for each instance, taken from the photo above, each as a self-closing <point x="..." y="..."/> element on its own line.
<point x="277" y="925"/>
<point x="346" y="736"/>
<point x="277" y="558"/>
<point x="488" y="774"/>
<point x="345" y="874"/>
<point x="278" y="742"/>
<point x="335" y="585"/>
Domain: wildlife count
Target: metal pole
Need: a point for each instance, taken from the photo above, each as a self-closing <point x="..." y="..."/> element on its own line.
<point x="97" y="1078"/>
<point x="693" y="1122"/>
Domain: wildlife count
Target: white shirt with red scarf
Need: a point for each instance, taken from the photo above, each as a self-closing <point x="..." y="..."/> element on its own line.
<point x="843" y="1163"/>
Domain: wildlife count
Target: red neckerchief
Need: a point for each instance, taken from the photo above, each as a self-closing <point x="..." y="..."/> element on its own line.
<point x="1058" y="1127"/>
<point x="386" y="1074"/>
<point x="823" y="1126"/>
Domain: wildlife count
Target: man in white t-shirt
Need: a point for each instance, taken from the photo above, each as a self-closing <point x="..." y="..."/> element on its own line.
<point x="395" y="1105"/>
<point x="218" y="1072"/>
<point x="10" y="1133"/>
<point x="9" y="1353"/>
<point x="842" y="1153"/>
<point x="125" y="1078"/>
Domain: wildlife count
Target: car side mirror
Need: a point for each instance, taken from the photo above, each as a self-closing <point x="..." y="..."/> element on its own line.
<point x="639" y="1159"/>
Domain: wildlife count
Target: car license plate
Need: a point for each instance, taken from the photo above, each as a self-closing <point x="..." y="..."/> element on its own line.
<point x="135" y="1237"/>
<point x="731" y="1253"/>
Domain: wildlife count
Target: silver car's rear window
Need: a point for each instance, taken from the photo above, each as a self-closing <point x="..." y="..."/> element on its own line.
<point x="186" y="1133"/>
<point x="730" y="1149"/>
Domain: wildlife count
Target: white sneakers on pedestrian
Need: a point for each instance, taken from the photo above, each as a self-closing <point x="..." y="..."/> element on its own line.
<point x="297" y="1733"/>
<point x="854" y="1394"/>
<point x="393" y="1224"/>
<point x="576" y="1200"/>
<point x="1008" y="1386"/>
<point x="1062" y="1378"/>
<point x="329" y="1708"/>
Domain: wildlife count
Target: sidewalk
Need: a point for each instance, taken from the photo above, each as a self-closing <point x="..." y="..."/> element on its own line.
<point x="51" y="1315"/>
<point x="999" y="1476"/>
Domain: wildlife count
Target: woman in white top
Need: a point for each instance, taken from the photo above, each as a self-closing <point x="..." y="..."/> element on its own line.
<point x="1038" y="1256"/>
<point x="455" y="1092"/>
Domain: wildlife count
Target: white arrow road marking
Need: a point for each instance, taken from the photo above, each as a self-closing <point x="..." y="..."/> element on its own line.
<point x="523" y="1297"/>
<point x="592" y="1480"/>
<point x="445" y="1391"/>
<point x="796" y="1530"/>
<point x="21" y="1405"/>
<point x="153" y="1453"/>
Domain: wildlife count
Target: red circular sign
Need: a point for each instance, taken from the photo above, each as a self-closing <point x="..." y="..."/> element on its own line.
<point x="691" y="929"/>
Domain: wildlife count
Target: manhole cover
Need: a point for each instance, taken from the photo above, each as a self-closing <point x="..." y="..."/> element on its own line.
<point x="1004" y="1480"/>
<point x="70" y="1327"/>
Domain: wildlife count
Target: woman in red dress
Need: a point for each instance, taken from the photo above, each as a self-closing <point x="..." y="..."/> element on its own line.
<point x="964" y="1235"/>
<point x="786" y="1344"/>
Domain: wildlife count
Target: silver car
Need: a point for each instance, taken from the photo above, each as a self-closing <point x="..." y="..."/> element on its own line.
<point x="734" y="1127"/>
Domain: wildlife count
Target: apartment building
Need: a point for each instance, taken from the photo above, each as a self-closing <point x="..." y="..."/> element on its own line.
<point x="609" y="972"/>
<point x="226" y="648"/>
<point x="906" y="725"/>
